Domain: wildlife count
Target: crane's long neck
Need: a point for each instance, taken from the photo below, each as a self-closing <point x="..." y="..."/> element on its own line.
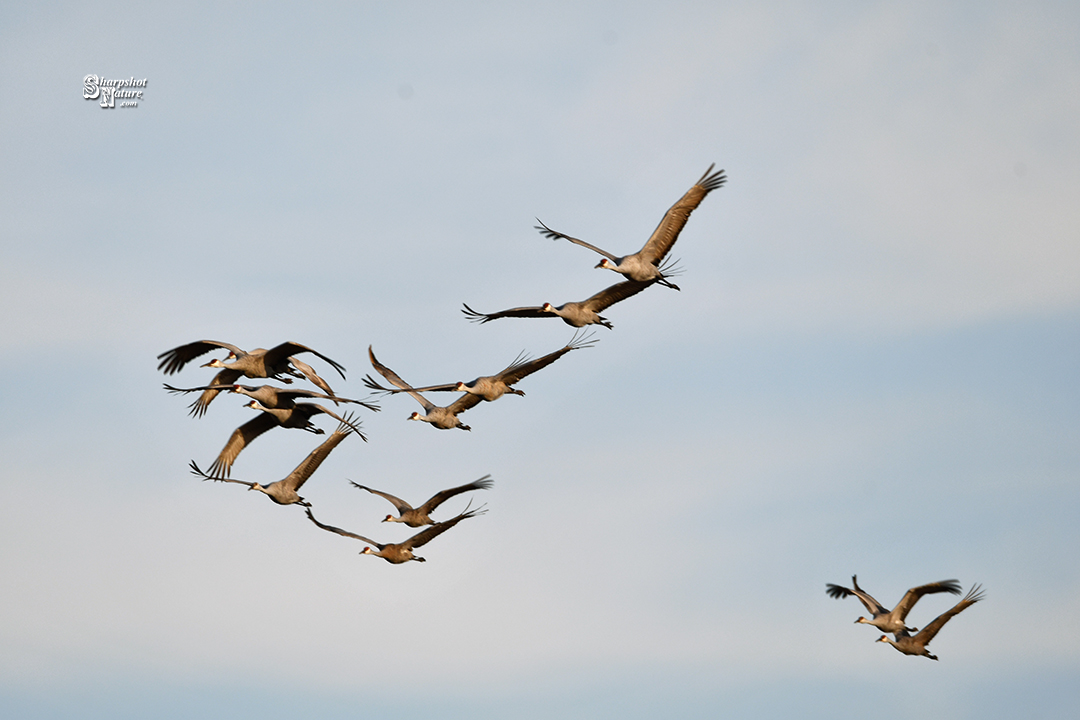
<point x="887" y="639"/>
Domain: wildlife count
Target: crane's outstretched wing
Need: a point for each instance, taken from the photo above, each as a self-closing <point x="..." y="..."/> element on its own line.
<point x="463" y="403"/>
<point x="616" y="293"/>
<point x="667" y="232"/>
<point x="425" y="536"/>
<point x="241" y="437"/>
<point x="397" y="502"/>
<point x="524" y="312"/>
<point x="393" y="378"/>
<point x="313" y="377"/>
<point x="912" y="596"/>
<point x="523" y="368"/>
<point x="196" y="471"/>
<point x="927" y="633"/>
<point x="285" y="350"/>
<point x="872" y="606"/>
<point x="345" y="533"/>
<point x="555" y="235"/>
<point x="174" y="360"/>
<point x="448" y="387"/>
<point x="439" y="498"/>
<point x="311" y="463"/>
<point x="222" y="382"/>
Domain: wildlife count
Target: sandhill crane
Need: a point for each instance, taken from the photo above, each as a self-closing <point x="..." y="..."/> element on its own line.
<point x="283" y="492"/>
<point x="418" y="517"/>
<point x="299" y="416"/>
<point x="268" y="395"/>
<point x="259" y="363"/>
<point x="891" y="620"/>
<point x="398" y="553"/>
<point x="444" y="418"/>
<point x="493" y="387"/>
<point x="576" y="314"/>
<point x="644" y="264"/>
<point x="916" y="644"/>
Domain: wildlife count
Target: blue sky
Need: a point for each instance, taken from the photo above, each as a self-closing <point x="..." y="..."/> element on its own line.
<point x="871" y="367"/>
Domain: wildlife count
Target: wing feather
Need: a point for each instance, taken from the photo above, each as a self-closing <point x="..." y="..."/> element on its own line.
<point x="439" y="498"/>
<point x="912" y="596"/>
<point x="311" y="375"/>
<point x="311" y="463"/>
<point x="525" y="312"/>
<point x="345" y="533"/>
<point x="174" y="360"/>
<point x="463" y="403"/>
<point x="286" y="349"/>
<point x="241" y="437"/>
<point x="872" y="606"/>
<point x="518" y="370"/>
<point x="555" y="235"/>
<point x="196" y="471"/>
<point x="397" y="502"/>
<point x="616" y="293"/>
<point x="927" y="634"/>
<point x="667" y="232"/>
<point x="425" y="536"/>
<point x="394" y="379"/>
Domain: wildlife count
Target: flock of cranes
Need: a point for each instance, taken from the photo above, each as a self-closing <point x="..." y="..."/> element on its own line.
<point x="279" y="407"/>
<point x="909" y="640"/>
<point x="286" y="408"/>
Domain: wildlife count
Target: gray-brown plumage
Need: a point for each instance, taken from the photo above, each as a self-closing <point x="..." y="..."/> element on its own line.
<point x="645" y="264"/>
<point x="891" y="620"/>
<point x="916" y="644"/>
<point x="402" y="552"/>
<point x="298" y="417"/>
<point x="493" y="387"/>
<point x="575" y="314"/>
<point x="275" y="363"/>
<point x="283" y="491"/>
<point x="444" y="418"/>
<point x="418" y="517"/>
<point x="268" y="395"/>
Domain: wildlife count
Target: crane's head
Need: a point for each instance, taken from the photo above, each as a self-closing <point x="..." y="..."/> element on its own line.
<point x="215" y="363"/>
<point x="863" y="620"/>
<point x="415" y="416"/>
<point x="388" y="518"/>
<point x="548" y="307"/>
<point x="367" y="551"/>
<point x="460" y="387"/>
<point x="605" y="263"/>
<point x="883" y="638"/>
